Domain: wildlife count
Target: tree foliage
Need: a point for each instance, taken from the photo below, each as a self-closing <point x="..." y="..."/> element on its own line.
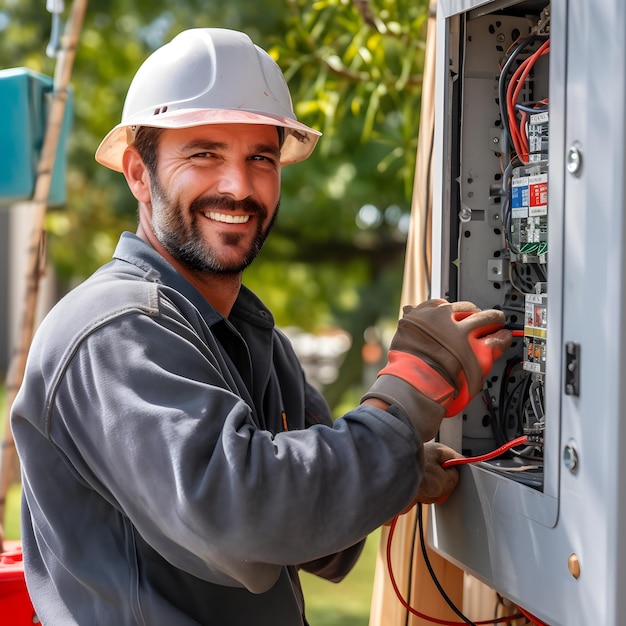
<point x="354" y="70"/>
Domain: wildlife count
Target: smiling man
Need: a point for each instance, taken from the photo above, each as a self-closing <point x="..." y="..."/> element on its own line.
<point x="177" y="467"/>
<point x="222" y="198"/>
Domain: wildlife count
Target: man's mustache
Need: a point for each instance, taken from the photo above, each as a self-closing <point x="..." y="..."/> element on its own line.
<point x="222" y="204"/>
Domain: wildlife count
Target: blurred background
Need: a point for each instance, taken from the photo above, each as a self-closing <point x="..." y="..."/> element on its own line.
<point x="332" y="270"/>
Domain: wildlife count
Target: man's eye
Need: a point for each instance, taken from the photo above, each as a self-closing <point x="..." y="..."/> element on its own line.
<point x="263" y="157"/>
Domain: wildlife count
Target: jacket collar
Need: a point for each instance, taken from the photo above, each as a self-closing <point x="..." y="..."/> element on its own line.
<point x="131" y="249"/>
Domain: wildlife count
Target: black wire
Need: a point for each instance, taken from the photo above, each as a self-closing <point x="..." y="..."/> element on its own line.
<point x="513" y="395"/>
<point x="523" y="283"/>
<point x="493" y="416"/>
<point x="431" y="571"/>
<point x="541" y="272"/>
<point x="509" y="369"/>
<point x="506" y="204"/>
<point x="502" y="90"/>
<point x="530" y="109"/>
<point x="524" y="399"/>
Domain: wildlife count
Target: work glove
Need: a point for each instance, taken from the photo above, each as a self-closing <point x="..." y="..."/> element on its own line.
<point x="438" y="360"/>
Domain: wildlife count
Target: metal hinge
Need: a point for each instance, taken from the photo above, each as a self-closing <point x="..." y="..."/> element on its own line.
<point x="572" y="368"/>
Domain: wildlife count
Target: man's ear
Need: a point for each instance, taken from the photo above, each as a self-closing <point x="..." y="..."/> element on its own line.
<point x="137" y="175"/>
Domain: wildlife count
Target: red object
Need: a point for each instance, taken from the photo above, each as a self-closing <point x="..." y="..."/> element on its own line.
<point x="518" y="441"/>
<point x="15" y="605"/>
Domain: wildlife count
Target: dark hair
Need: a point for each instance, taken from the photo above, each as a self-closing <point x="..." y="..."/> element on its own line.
<point x="146" y="142"/>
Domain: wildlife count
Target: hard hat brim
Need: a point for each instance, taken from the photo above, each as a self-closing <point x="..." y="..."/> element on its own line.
<point x="300" y="140"/>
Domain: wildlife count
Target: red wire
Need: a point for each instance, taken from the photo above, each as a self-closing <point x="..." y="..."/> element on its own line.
<point x="489" y="455"/>
<point x="524" y="69"/>
<point x="527" y="65"/>
<point x="449" y="463"/>
<point x="520" y="143"/>
<point x="429" y="618"/>
<point x="513" y="124"/>
<point x="531" y="617"/>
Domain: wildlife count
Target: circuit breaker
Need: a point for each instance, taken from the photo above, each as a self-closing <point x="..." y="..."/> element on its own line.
<point x="528" y="217"/>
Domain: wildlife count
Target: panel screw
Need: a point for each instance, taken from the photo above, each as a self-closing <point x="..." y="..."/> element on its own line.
<point x="465" y="214"/>
<point x="573" y="565"/>
<point x="570" y="458"/>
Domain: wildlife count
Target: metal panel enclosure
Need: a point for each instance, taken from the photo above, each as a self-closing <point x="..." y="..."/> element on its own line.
<point x="536" y="227"/>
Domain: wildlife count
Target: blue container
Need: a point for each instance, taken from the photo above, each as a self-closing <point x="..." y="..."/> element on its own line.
<point x="25" y="98"/>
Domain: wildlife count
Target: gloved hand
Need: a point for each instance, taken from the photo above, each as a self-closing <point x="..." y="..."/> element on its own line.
<point x="437" y="483"/>
<point x="438" y="359"/>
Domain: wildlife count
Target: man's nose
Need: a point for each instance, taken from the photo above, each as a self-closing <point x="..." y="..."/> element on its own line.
<point x="235" y="181"/>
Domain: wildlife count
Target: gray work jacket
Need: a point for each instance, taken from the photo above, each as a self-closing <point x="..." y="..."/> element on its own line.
<point x="178" y="469"/>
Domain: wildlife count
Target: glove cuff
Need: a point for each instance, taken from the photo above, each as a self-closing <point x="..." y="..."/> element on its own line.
<point x="419" y="374"/>
<point x="428" y="381"/>
<point x="424" y="414"/>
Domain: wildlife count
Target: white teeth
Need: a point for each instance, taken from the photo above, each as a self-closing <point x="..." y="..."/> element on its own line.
<point x="227" y="218"/>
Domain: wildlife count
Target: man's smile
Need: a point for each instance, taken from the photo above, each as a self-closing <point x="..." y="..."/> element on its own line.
<point x="227" y="218"/>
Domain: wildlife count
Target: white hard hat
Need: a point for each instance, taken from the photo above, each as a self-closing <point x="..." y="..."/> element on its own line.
<point x="208" y="76"/>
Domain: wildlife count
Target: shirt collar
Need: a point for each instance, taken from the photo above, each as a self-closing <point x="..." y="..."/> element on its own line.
<point x="137" y="252"/>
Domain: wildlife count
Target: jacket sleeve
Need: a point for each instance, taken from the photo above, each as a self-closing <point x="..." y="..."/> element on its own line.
<point x="336" y="566"/>
<point x="154" y="427"/>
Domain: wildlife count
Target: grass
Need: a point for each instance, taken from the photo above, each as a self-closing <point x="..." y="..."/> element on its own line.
<point x="348" y="602"/>
<point x="327" y="604"/>
<point x="12" y="511"/>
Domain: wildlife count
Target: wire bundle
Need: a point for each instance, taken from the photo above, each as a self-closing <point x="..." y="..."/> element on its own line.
<point x="509" y="92"/>
<point x="465" y="620"/>
<point x="518" y="134"/>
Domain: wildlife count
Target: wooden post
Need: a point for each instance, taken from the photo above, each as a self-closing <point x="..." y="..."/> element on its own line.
<point x="36" y="258"/>
<point x="410" y="570"/>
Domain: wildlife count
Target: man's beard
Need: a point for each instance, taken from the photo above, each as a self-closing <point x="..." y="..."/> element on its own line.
<point x="184" y="241"/>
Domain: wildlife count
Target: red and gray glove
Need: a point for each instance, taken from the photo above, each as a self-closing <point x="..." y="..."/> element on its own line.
<point x="438" y="360"/>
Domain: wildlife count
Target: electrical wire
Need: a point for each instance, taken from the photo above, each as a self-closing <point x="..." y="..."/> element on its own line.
<point x="502" y="85"/>
<point x="512" y="365"/>
<point x="522" y="284"/>
<point x="506" y="204"/>
<point x="517" y="395"/>
<point x="435" y="620"/>
<point x="513" y="91"/>
<point x="518" y="441"/>
<point x="409" y="581"/>
<point x="536" y="400"/>
<point x="529" y="616"/>
<point x="414" y="611"/>
<point x="514" y="117"/>
<point x="526" y="392"/>
<point x="532" y="107"/>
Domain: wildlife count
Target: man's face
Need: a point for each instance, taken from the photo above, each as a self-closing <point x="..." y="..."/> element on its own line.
<point x="215" y="195"/>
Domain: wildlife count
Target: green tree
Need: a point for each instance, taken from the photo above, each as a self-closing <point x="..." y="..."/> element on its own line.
<point x="354" y="69"/>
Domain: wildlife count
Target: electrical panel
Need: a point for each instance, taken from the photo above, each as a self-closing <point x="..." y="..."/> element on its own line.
<point x="25" y="98"/>
<point x="528" y="217"/>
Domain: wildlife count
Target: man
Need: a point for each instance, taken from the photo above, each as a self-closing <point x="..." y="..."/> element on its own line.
<point x="177" y="467"/>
